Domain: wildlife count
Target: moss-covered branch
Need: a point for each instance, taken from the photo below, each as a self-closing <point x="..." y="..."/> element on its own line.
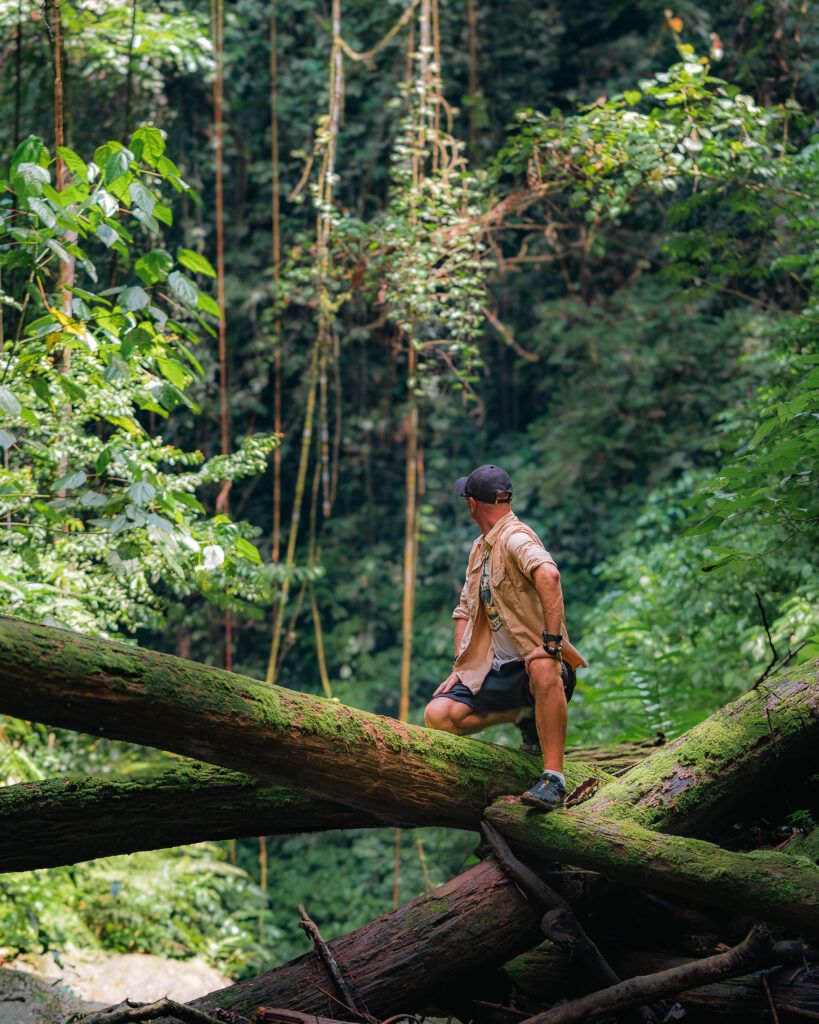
<point x="393" y="770"/>
<point x="743" y="754"/>
<point x="767" y="886"/>
<point x="62" y="821"/>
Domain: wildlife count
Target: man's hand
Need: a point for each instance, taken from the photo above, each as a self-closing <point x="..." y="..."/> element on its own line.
<point x="447" y="684"/>
<point x="535" y="655"/>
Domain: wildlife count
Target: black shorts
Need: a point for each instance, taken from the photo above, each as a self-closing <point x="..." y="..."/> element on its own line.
<point x="506" y="688"/>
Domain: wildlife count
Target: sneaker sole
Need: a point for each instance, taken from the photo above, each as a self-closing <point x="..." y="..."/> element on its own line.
<point x="541" y="805"/>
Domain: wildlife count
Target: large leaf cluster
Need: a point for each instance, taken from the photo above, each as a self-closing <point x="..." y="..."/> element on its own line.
<point x="102" y="519"/>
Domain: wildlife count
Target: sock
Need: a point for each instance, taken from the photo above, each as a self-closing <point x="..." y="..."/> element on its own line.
<point x="559" y="776"/>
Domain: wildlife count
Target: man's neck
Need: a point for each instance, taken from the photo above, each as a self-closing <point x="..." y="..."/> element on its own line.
<point x="488" y="517"/>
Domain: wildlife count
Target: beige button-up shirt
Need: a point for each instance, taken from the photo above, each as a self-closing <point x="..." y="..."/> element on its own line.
<point x="515" y="552"/>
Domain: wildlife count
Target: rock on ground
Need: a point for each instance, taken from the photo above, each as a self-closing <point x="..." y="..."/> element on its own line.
<point x="38" y="990"/>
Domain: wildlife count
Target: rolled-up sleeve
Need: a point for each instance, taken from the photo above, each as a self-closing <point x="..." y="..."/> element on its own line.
<point x="527" y="553"/>
<point x="461" y="611"/>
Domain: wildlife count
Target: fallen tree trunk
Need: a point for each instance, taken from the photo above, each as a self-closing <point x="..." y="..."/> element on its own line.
<point x="364" y="760"/>
<point x="66" y="820"/>
<point x="745" y="752"/>
<point x="767" y="886"/>
<point x="276" y="735"/>
<point x="477" y="920"/>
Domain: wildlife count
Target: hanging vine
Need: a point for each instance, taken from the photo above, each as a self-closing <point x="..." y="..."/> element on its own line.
<point x="327" y="304"/>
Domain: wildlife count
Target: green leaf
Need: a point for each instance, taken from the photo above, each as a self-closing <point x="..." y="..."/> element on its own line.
<point x="70" y="481"/>
<point x="59" y="251"/>
<point x="184" y="289"/>
<point x="142" y="197"/>
<point x="74" y="163"/>
<point x="210" y="305"/>
<point x="173" y="371"/>
<point x="134" y="298"/>
<point x="43" y="211"/>
<point x="137" y="340"/>
<point x="632" y="96"/>
<point x="763" y="430"/>
<point x="248" y="550"/>
<point x="106" y="235"/>
<point x="195" y="261"/>
<point x="116" y="165"/>
<point x="127" y="423"/>
<point x="154" y="266"/>
<point x="163" y="214"/>
<point x="168" y="169"/>
<point x="9" y="402"/>
<point x="30" y="151"/>
<point x="708" y="524"/>
<point x="148" y="144"/>
<point x="73" y="390"/>
<point x="104" y="460"/>
<point x="141" y="492"/>
<point x="6" y="439"/>
<point x="42" y="390"/>
<point x="147" y="219"/>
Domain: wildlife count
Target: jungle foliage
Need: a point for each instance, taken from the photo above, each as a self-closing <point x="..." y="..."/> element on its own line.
<point x="580" y="243"/>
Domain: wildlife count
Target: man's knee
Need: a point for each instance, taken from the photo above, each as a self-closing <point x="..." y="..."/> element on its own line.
<point x="445" y="715"/>
<point x="544" y="681"/>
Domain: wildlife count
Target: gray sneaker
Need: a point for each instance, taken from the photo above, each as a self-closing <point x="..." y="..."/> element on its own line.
<point x="547" y="795"/>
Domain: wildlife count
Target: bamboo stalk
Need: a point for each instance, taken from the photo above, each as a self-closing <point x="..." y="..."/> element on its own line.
<point x="217" y="34"/>
<point x="277" y="255"/>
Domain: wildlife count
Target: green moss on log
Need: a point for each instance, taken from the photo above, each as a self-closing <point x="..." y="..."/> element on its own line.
<point x="393" y="770"/>
<point x="766" y="885"/>
<point x="62" y="821"/>
<point x="736" y="755"/>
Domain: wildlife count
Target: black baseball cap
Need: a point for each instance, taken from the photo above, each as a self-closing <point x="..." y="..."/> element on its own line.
<point x="484" y="484"/>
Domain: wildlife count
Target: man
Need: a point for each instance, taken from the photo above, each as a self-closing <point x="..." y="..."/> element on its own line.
<point x="513" y="660"/>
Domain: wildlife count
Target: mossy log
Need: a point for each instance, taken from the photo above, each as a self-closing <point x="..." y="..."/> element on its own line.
<point x="767" y="886"/>
<point x="398" y="772"/>
<point x="747" y="752"/>
<point x="70" y="819"/>
<point x="476" y="921"/>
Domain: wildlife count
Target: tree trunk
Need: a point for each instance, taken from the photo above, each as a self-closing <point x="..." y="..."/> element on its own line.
<point x="396" y="771"/>
<point x="62" y="821"/>
<point x="477" y="920"/>
<point x="745" y="753"/>
<point x="768" y="886"/>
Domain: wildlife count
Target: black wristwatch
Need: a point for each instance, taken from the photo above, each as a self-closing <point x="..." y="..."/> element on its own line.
<point x="552" y="644"/>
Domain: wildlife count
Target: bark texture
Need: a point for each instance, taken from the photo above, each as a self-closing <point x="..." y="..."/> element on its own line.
<point x="71" y="819"/>
<point x="339" y="753"/>
<point x="478" y="920"/>
<point x="768" y="886"/>
<point x="748" y="751"/>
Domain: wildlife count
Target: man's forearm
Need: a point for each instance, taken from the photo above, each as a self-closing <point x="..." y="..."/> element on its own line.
<point x="547" y="584"/>
<point x="460" y="626"/>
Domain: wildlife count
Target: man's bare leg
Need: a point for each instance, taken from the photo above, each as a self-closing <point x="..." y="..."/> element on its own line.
<point x="551" y="710"/>
<point x="458" y="718"/>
